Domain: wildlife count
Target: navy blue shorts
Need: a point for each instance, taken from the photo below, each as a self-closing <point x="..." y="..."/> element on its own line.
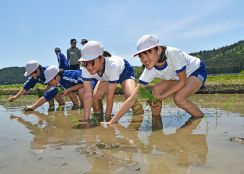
<point x="128" y="73"/>
<point x="201" y="73"/>
<point x="94" y="83"/>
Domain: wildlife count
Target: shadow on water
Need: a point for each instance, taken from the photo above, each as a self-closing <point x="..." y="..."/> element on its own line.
<point x="170" y="143"/>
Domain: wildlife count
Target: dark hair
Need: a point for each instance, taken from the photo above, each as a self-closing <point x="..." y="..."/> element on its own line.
<point x="106" y="54"/>
<point x="72" y="40"/>
<point x="39" y="67"/>
<point x="57" y="49"/>
<point x="83" y="41"/>
<point x="60" y="72"/>
<point x="162" y="57"/>
<point x="142" y="67"/>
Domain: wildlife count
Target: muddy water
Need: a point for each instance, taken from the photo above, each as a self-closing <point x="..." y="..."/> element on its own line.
<point x="55" y="142"/>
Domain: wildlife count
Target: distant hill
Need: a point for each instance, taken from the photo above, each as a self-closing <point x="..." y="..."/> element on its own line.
<point x="12" y="75"/>
<point x="227" y="59"/>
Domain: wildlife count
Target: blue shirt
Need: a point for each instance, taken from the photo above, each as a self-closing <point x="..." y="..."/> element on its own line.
<point x="31" y="82"/>
<point x="69" y="78"/>
<point x="63" y="62"/>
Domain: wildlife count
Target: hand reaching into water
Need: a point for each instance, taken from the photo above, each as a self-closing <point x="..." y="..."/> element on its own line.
<point x="28" y="108"/>
<point x="106" y="123"/>
<point x="14" y="117"/>
<point x="12" y="98"/>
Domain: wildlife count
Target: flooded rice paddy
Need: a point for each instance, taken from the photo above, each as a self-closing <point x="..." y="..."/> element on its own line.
<point x="55" y="142"/>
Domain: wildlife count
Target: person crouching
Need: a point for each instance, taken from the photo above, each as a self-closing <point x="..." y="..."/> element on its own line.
<point x="69" y="80"/>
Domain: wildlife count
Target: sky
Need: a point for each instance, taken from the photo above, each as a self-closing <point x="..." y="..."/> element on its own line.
<point x="31" y="29"/>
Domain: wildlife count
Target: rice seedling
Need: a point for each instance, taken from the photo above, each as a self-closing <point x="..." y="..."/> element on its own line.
<point x="39" y="92"/>
<point x="145" y="93"/>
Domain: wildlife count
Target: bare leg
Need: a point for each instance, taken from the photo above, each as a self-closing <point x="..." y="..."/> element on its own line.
<point x="51" y="103"/>
<point x="156" y="107"/>
<point x="162" y="86"/>
<point x="157" y="90"/>
<point x="157" y="123"/>
<point x="129" y="86"/>
<point x="98" y="95"/>
<point x="59" y="98"/>
<point x="181" y="97"/>
<point x="74" y="98"/>
<point x="81" y="96"/>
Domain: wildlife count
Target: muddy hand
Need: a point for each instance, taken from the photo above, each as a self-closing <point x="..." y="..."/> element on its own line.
<point x="14" y="117"/>
<point x="28" y="108"/>
<point x="12" y="98"/>
<point x="106" y="123"/>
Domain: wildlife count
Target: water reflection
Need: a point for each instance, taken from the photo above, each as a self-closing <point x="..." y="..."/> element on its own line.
<point x="119" y="149"/>
<point x="53" y="129"/>
<point x="164" y="152"/>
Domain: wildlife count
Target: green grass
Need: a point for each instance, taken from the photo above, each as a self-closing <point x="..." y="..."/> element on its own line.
<point x="19" y="86"/>
<point x="226" y="79"/>
<point x="145" y="93"/>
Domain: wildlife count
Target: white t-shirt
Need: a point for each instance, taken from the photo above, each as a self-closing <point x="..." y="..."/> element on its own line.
<point x="113" y="67"/>
<point x="176" y="62"/>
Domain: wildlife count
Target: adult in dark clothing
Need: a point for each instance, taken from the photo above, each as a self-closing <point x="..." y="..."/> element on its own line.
<point x="62" y="61"/>
<point x="73" y="55"/>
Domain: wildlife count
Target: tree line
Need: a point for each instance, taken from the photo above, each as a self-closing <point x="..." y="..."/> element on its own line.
<point x="227" y="59"/>
<point x="12" y="75"/>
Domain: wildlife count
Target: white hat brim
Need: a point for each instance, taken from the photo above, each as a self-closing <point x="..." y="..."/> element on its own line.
<point x="87" y="59"/>
<point x="27" y="74"/>
<point x="50" y="78"/>
<point x="145" y="49"/>
<point x="47" y="81"/>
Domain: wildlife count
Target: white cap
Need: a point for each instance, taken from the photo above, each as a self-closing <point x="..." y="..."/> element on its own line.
<point x="30" y="67"/>
<point x="91" y="50"/>
<point x="50" y="73"/>
<point x="146" y="42"/>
